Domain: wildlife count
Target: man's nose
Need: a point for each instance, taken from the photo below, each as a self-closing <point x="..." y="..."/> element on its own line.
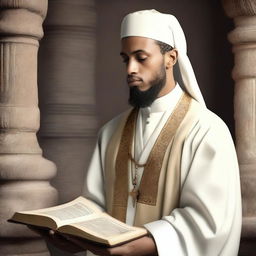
<point x="132" y="67"/>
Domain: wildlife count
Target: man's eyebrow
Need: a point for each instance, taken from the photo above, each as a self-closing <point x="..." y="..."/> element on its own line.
<point x="134" y="52"/>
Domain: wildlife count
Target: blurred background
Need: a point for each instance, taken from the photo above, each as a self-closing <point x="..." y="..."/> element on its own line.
<point x="82" y="79"/>
<point x="78" y="79"/>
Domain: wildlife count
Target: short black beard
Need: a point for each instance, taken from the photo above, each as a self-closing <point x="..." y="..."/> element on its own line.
<point x="142" y="99"/>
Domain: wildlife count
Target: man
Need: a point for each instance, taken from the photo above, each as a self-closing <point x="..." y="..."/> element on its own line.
<point x="169" y="164"/>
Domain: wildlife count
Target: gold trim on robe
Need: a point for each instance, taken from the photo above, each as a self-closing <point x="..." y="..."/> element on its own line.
<point x="148" y="189"/>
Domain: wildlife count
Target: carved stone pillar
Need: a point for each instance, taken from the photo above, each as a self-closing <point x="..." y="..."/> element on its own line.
<point x="66" y="91"/>
<point x="24" y="173"/>
<point x="243" y="38"/>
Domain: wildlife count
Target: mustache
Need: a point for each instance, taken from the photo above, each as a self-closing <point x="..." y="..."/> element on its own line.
<point x="133" y="78"/>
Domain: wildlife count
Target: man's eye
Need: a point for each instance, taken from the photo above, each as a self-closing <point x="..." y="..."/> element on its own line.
<point x="125" y="60"/>
<point x="141" y="59"/>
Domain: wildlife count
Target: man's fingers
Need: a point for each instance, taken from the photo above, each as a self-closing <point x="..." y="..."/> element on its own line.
<point x="81" y="242"/>
<point x="61" y="242"/>
<point x="96" y="249"/>
<point x="57" y="240"/>
<point x="51" y="232"/>
<point x="38" y="230"/>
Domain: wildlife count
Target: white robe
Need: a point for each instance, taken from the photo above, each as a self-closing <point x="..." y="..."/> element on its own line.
<point x="208" y="220"/>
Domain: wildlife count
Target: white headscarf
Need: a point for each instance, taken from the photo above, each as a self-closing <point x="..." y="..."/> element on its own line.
<point x="165" y="28"/>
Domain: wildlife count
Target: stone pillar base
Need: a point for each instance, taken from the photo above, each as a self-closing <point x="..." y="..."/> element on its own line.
<point x="24" y="173"/>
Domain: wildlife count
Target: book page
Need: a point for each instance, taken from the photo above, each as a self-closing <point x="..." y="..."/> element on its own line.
<point x="73" y="211"/>
<point x="105" y="227"/>
<point x="69" y="212"/>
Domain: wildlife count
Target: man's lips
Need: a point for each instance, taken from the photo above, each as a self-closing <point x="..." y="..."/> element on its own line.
<point x="132" y="80"/>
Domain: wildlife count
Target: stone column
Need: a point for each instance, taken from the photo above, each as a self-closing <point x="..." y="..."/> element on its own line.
<point x="24" y="173"/>
<point x="243" y="38"/>
<point x="66" y="91"/>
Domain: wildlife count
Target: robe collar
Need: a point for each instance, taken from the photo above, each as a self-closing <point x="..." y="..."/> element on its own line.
<point x="161" y="106"/>
<point x="148" y="186"/>
<point x="163" y="103"/>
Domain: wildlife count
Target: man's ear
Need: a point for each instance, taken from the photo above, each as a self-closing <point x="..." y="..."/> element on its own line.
<point x="171" y="58"/>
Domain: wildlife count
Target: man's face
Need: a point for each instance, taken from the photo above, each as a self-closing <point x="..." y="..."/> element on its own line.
<point x="146" y="74"/>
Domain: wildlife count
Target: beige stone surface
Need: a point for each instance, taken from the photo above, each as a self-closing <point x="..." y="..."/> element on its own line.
<point x="66" y="92"/>
<point x="243" y="38"/>
<point x="24" y="173"/>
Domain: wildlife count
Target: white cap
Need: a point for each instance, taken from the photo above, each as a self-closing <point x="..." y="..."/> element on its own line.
<point x="165" y="28"/>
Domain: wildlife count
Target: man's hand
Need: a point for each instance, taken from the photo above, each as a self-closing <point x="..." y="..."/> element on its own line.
<point x="57" y="240"/>
<point x="144" y="246"/>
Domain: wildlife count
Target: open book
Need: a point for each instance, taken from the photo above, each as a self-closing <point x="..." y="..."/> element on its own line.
<point x="81" y="218"/>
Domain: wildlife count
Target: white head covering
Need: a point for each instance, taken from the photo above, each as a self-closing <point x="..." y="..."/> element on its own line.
<point x="165" y="28"/>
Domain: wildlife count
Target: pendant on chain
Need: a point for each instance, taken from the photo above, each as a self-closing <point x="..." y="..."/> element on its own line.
<point x="134" y="194"/>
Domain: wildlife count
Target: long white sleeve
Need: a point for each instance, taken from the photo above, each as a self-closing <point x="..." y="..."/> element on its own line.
<point x="94" y="186"/>
<point x="208" y="220"/>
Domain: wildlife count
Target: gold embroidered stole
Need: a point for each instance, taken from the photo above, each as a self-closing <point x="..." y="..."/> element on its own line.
<point x="150" y="179"/>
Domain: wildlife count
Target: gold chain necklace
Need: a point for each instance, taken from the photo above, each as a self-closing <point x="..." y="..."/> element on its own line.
<point x="134" y="193"/>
